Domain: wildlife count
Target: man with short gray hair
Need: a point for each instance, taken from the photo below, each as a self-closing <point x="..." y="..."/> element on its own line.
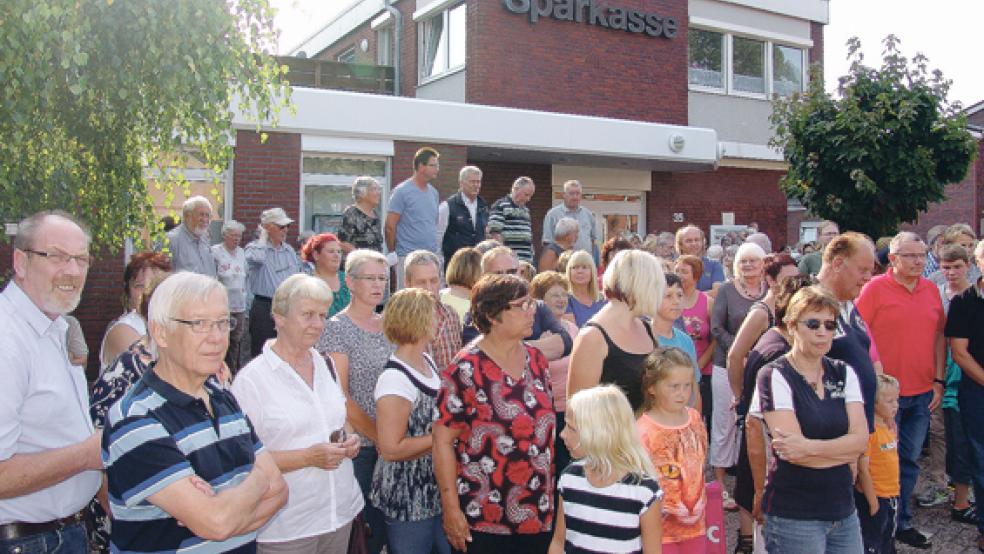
<point x="509" y="219"/>
<point x="189" y="245"/>
<point x="422" y="270"/>
<point x="50" y="461"/>
<point x="462" y="218"/>
<point x="904" y="312"/>
<point x="571" y="207"/>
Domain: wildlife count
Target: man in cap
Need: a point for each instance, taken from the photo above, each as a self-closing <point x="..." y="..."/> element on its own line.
<point x="271" y="260"/>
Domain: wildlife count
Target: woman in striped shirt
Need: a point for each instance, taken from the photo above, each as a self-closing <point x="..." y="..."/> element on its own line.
<point x="610" y="500"/>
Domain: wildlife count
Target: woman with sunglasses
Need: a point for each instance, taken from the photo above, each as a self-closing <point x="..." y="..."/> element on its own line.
<point x="814" y="411"/>
<point x="294" y="399"/>
<point x="494" y="429"/>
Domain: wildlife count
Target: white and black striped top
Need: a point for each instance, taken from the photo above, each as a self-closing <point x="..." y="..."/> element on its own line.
<point x="604" y="519"/>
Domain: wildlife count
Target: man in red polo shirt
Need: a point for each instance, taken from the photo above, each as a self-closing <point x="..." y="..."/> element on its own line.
<point x="905" y="316"/>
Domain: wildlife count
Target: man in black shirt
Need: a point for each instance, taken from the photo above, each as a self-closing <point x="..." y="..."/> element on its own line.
<point x="462" y="218"/>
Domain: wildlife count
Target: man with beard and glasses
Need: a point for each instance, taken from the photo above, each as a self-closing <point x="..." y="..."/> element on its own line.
<point x="189" y="245"/>
<point x="50" y="463"/>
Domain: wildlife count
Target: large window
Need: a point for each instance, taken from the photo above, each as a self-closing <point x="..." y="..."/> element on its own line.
<point x="723" y="62"/>
<point x="787" y="70"/>
<point x="748" y="65"/>
<point x="706" y="58"/>
<point x="326" y="181"/>
<point x="442" y="43"/>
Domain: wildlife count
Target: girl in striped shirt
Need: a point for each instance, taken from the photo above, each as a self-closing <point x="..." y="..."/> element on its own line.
<point x="609" y="498"/>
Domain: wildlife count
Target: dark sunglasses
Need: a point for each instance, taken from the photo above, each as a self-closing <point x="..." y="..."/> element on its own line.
<point x="814" y="324"/>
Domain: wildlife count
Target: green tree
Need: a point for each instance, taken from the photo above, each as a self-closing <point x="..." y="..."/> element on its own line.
<point x="881" y="152"/>
<point x="93" y="93"/>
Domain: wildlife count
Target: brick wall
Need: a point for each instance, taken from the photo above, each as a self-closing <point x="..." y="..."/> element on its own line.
<point x="964" y="201"/>
<point x="816" y="52"/>
<point x="352" y="40"/>
<point x="266" y="175"/>
<point x="753" y="195"/>
<point x="497" y="180"/>
<point x="561" y="66"/>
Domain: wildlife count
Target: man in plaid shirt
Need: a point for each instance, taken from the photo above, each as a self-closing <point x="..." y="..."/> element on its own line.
<point x="422" y="270"/>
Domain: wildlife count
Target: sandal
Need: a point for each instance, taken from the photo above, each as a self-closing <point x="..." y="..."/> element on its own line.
<point x="746" y="544"/>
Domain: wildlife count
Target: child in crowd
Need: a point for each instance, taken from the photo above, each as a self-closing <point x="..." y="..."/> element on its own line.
<point x="609" y="497"/>
<point x="673" y="433"/>
<point x="878" y="474"/>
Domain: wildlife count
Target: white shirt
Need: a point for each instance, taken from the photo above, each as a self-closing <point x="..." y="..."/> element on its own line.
<point x="131" y="319"/>
<point x="44" y="404"/>
<point x="442" y="216"/>
<point x="394" y="382"/>
<point x="289" y="415"/>
<point x="230" y="269"/>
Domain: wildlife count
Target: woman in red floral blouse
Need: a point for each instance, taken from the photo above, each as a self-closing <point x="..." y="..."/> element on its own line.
<point x="497" y="480"/>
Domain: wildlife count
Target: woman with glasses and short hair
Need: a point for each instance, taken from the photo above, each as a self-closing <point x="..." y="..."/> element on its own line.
<point x="494" y="430"/>
<point x="295" y="401"/>
<point x="354" y="341"/>
<point x="814" y="411"/>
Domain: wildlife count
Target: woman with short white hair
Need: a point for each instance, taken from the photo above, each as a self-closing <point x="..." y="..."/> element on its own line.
<point x="294" y="399"/>
<point x="734" y="299"/>
<point x="360" y="227"/>
<point x="354" y="341"/>
<point x="613" y="344"/>
<point x="230" y="267"/>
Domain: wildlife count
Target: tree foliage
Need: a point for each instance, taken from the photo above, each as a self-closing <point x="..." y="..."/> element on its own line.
<point x="95" y="92"/>
<point x="881" y="152"/>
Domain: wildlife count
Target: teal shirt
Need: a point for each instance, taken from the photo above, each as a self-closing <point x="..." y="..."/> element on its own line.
<point x="340" y="298"/>
<point x="953" y="372"/>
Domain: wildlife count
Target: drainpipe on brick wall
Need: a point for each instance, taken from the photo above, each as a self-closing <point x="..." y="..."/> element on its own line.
<point x="397" y="35"/>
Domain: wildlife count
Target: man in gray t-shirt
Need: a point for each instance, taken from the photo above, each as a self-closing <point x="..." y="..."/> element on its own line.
<point x="411" y="220"/>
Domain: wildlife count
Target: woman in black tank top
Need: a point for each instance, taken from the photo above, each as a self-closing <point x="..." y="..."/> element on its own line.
<point x="615" y="342"/>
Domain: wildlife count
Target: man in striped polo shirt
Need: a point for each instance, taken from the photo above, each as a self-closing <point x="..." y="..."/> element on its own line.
<point x="509" y="219"/>
<point x="185" y="468"/>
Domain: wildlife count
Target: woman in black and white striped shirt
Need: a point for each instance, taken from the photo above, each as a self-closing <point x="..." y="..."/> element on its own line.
<point x="609" y="498"/>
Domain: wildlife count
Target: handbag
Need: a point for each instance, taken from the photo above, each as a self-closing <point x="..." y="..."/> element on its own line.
<point x="358" y="538"/>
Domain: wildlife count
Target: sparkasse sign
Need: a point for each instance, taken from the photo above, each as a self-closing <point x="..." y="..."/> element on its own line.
<point x="586" y="11"/>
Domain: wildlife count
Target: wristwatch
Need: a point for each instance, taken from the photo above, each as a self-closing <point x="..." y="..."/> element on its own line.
<point x="940" y="381"/>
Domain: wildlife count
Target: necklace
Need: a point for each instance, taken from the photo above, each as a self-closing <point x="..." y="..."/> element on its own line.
<point x="747" y="292"/>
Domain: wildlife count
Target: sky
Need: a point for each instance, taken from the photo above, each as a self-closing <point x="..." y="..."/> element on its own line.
<point x="943" y="30"/>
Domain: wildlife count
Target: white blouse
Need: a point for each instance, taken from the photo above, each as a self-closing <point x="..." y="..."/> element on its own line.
<point x="289" y="415"/>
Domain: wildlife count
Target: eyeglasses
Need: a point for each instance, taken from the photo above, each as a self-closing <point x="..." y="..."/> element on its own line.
<point x="62" y="259"/>
<point x="202" y="326"/>
<point x="525" y="304"/>
<point x="911" y="255"/>
<point x="283" y="227"/>
<point x="814" y="324"/>
<point x="512" y="271"/>
<point x="370" y="278"/>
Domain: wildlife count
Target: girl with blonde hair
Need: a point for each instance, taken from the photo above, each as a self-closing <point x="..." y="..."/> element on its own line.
<point x="610" y="500"/>
<point x="674" y="437"/>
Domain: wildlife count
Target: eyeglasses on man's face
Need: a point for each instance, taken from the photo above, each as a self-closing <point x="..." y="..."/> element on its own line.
<point x="61" y="258"/>
<point x="203" y="326"/>
<point x="371" y="278"/>
<point x="511" y="271"/>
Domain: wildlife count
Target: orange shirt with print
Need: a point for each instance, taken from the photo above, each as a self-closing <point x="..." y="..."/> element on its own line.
<point x="883" y="461"/>
<point x="678" y="453"/>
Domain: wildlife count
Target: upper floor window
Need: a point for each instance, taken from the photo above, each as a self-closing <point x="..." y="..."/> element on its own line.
<point x="706" y="58"/>
<point x="347" y="55"/>
<point x="384" y="46"/>
<point x="442" y="43"/>
<point x="724" y="62"/>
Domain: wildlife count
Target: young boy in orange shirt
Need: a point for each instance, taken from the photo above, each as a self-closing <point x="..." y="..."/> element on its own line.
<point x="878" y="474"/>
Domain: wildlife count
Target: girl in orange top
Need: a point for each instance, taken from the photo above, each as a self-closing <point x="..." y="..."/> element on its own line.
<point x="676" y="440"/>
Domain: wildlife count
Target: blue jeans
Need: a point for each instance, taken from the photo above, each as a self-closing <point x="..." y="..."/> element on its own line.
<point x="67" y="540"/>
<point x="417" y="537"/>
<point x="803" y="536"/>
<point x="971" y="400"/>
<point x="912" y="421"/>
<point x="363" y="465"/>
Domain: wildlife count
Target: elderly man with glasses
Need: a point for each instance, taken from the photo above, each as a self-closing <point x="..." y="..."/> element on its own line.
<point x="271" y="260"/>
<point x="188" y="242"/>
<point x="184" y="465"/>
<point x="49" y="451"/>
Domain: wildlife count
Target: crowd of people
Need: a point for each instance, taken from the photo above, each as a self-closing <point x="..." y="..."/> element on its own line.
<point x="430" y="380"/>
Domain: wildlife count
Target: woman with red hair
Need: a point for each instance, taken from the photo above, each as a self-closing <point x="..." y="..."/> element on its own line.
<point x="129" y="327"/>
<point x="324" y="251"/>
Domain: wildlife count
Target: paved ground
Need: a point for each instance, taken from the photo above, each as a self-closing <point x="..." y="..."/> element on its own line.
<point x="947" y="536"/>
